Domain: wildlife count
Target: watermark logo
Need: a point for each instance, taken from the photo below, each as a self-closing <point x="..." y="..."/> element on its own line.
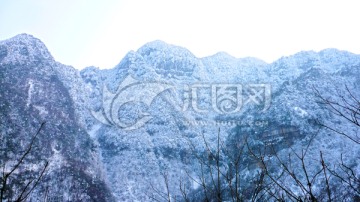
<point x="227" y="98"/>
<point x="129" y="91"/>
<point x="219" y="98"/>
<point x="232" y="123"/>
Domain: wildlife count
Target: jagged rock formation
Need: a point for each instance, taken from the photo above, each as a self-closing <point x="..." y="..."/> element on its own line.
<point x="31" y="92"/>
<point x="90" y="160"/>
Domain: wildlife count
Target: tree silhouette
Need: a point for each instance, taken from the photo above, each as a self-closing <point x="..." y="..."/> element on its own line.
<point x="12" y="187"/>
<point x="295" y="177"/>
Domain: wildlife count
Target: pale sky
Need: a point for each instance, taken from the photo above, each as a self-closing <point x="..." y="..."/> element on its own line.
<point x="99" y="33"/>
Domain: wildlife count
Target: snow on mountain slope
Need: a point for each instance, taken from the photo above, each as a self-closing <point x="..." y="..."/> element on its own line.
<point x="293" y="105"/>
<point x="34" y="90"/>
<point x="126" y="164"/>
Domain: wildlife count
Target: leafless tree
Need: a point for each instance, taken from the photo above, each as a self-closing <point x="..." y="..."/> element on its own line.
<point x="286" y="180"/>
<point x="344" y="105"/>
<point x="219" y="174"/>
<point x="9" y="191"/>
<point x="297" y="177"/>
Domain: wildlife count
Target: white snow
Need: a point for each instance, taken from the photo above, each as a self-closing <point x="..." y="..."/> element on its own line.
<point x="301" y="112"/>
<point x="30" y="91"/>
<point x="42" y="110"/>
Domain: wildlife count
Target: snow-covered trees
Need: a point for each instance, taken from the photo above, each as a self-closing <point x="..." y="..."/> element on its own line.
<point x="15" y="185"/>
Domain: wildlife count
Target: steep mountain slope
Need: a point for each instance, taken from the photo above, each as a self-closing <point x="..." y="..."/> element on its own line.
<point x="111" y="135"/>
<point x="161" y="145"/>
<point x="32" y="92"/>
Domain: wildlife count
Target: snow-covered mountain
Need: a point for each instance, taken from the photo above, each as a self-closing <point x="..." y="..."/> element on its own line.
<point x="36" y="89"/>
<point x="111" y="134"/>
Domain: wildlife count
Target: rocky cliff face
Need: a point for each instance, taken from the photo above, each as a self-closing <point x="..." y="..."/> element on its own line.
<point x="110" y="135"/>
<point x="33" y="91"/>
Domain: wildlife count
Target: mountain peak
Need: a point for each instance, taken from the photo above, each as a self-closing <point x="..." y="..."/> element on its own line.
<point x="156" y="44"/>
<point x="22" y="49"/>
<point x="25" y="39"/>
<point x="25" y="36"/>
<point x="160" y="47"/>
<point x="224" y="55"/>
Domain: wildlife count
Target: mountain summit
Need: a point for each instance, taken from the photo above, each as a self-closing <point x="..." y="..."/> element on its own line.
<point x="185" y="100"/>
<point x="22" y="49"/>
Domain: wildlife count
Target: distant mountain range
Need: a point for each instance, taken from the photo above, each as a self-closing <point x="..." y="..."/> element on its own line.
<point x="110" y="134"/>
